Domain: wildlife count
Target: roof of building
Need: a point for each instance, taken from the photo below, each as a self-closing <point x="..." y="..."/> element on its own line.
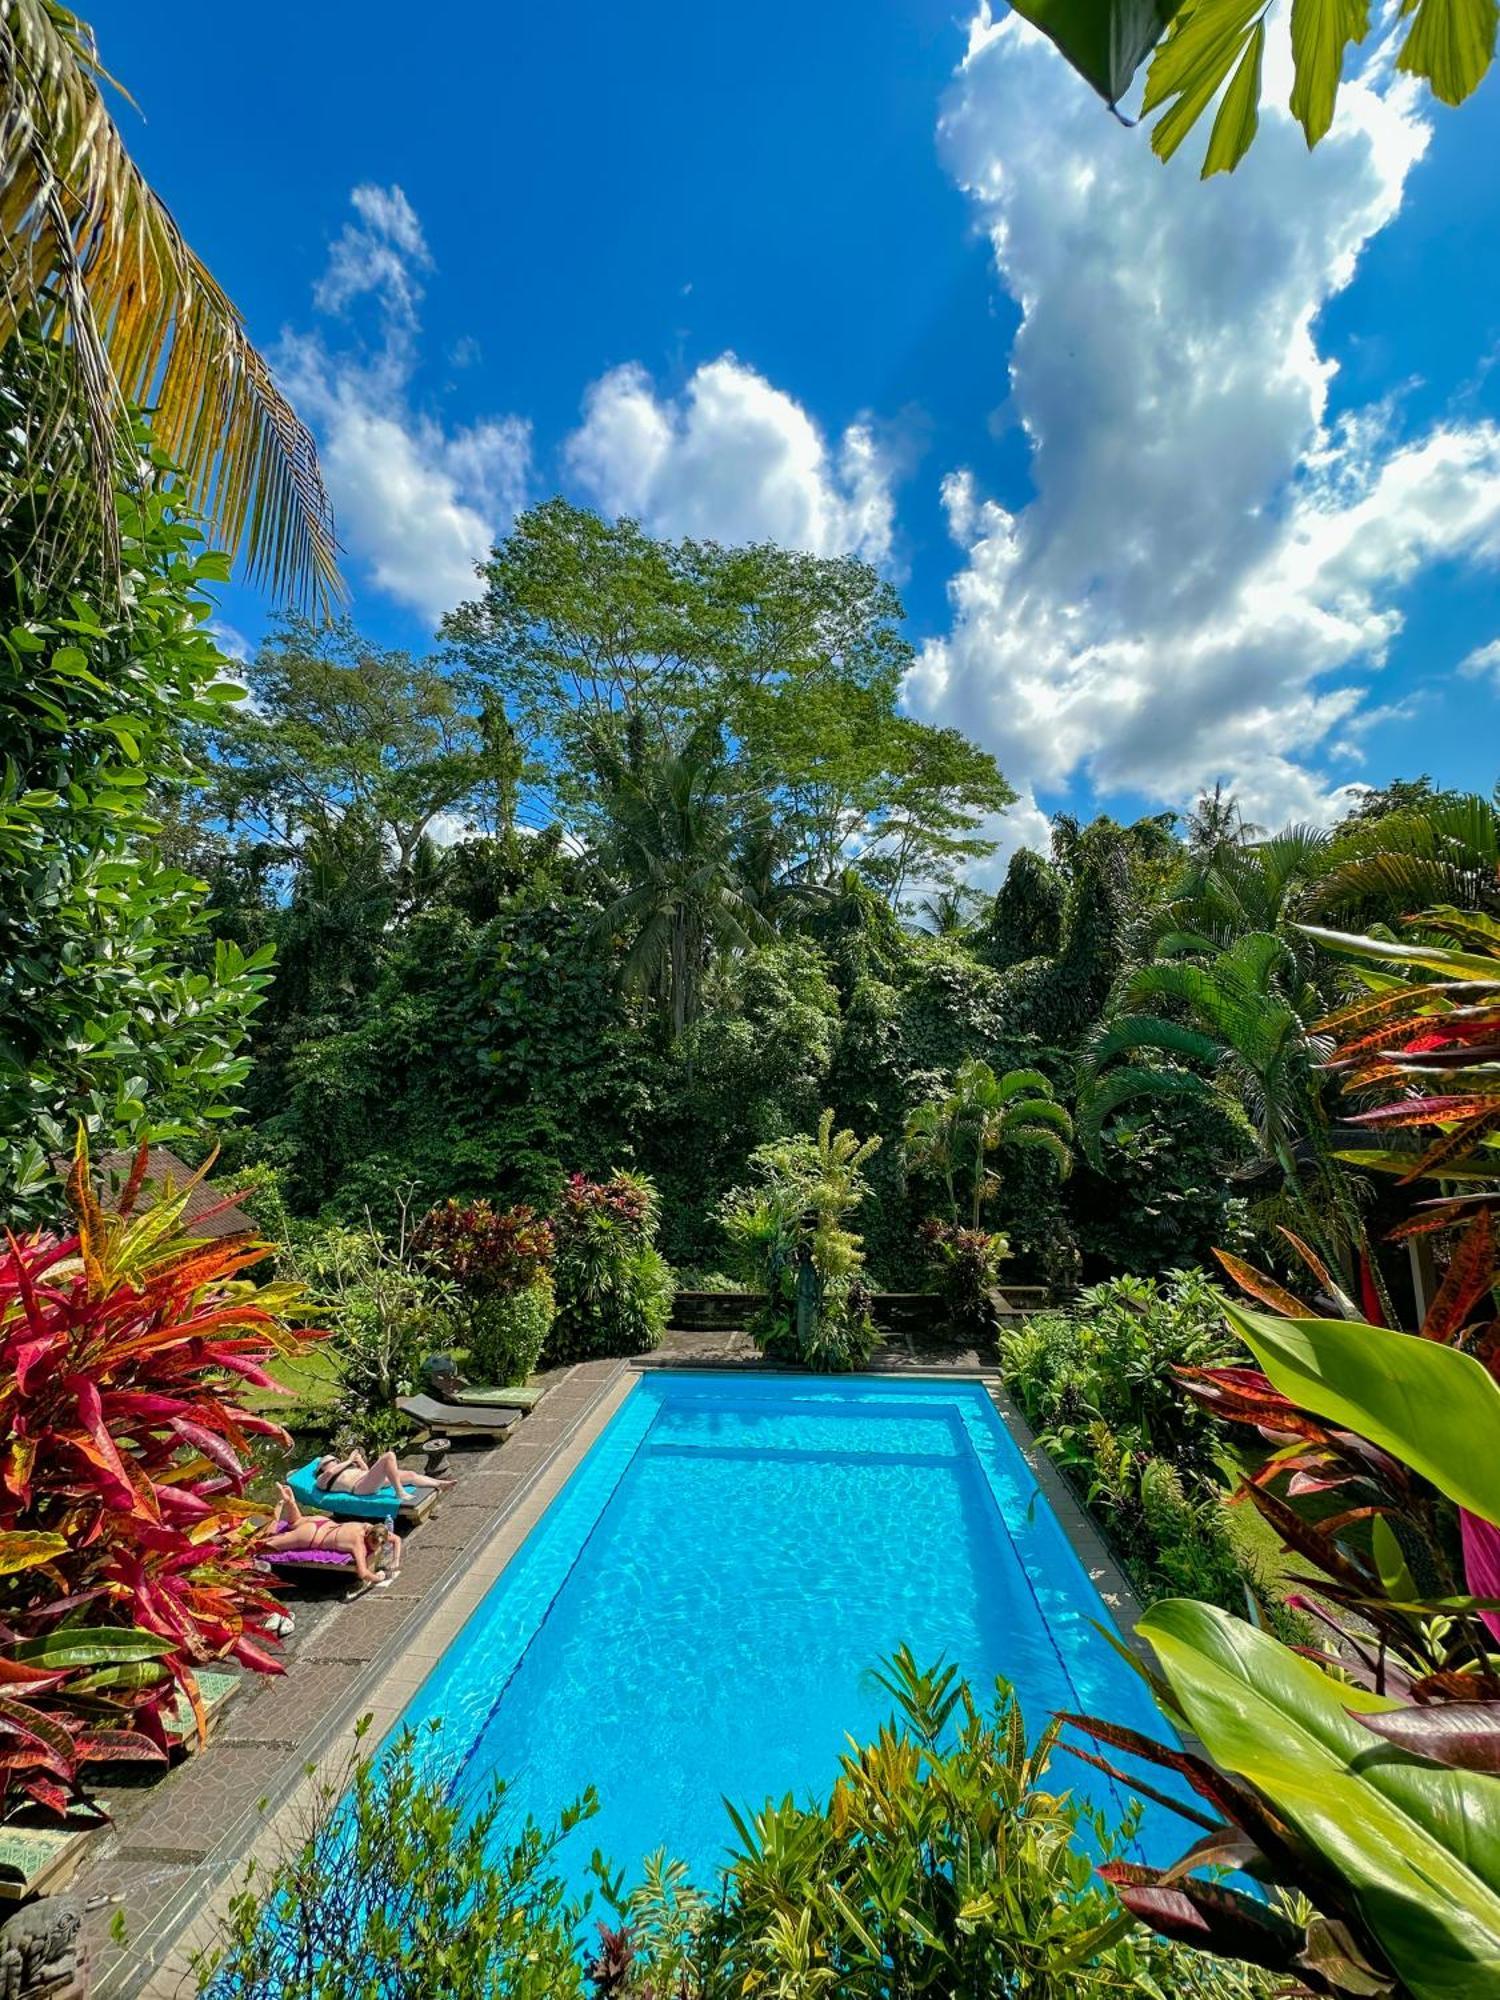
<point x="112" y="1170"/>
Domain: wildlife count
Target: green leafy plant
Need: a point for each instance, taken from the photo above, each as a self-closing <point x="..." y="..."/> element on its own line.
<point x="1111" y="1355"/>
<point x="117" y="1011"/>
<point x="1398" y="1855"/>
<point x="946" y="1860"/>
<point x="384" y="1313"/>
<point x="396" y="1884"/>
<point x="614" y="1287"/>
<point x="1207" y="47"/>
<point x="788" y="1230"/>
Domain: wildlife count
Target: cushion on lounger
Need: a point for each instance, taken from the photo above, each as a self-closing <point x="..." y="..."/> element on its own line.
<point x="307" y="1558"/>
<point x="379" y="1506"/>
<point x="493" y="1399"/>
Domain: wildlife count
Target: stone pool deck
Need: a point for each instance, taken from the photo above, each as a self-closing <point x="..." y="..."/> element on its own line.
<point x="178" y="1846"/>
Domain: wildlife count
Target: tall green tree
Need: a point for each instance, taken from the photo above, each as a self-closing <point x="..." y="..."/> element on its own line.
<point x="343" y="743"/>
<point x="117" y="1010"/>
<point x="668" y="832"/>
<point x="587" y="627"/>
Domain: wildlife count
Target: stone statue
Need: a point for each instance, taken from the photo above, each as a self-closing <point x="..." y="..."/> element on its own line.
<point x="42" y="1954"/>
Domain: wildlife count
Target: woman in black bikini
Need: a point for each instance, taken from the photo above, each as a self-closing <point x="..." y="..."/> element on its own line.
<point x="364" y="1541"/>
<point x="355" y="1474"/>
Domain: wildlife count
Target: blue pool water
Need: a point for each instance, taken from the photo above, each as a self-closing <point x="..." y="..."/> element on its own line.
<point x="696" y="1614"/>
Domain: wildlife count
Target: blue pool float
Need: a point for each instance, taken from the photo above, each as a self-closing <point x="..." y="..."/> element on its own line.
<point x="383" y="1505"/>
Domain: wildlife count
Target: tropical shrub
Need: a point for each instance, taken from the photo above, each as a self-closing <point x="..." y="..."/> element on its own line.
<point x="1109" y="1357"/>
<point x="499" y="1264"/>
<point x="614" y="1287"/>
<point x="788" y="1232"/>
<point x="1175" y="1536"/>
<point x="125" y="1350"/>
<point x="400" y="1886"/>
<point x="1396" y="1851"/>
<point x="955" y="1136"/>
<point x="965" y="1268"/>
<point x="383" y="1314"/>
<point x="945" y="1860"/>
<point x="117" y="1011"/>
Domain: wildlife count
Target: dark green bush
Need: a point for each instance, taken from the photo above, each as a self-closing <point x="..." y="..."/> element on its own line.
<point x="508" y="1331"/>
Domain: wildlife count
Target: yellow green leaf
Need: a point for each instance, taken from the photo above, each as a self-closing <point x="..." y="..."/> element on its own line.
<point x="1321" y="31"/>
<point x="1239" y="113"/>
<point x="1452" y="44"/>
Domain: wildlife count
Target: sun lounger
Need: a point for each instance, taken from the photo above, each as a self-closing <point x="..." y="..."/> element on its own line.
<point x="443" y="1388"/>
<point x="476" y="1421"/>
<point x="384" y="1505"/>
<point x="38" y="1857"/>
<point x="216" y="1689"/>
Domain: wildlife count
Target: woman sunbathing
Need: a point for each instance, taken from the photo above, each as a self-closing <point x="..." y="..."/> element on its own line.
<point x="355" y="1474"/>
<point x="366" y="1542"/>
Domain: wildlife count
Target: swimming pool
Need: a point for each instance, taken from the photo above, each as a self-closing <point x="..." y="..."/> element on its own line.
<point x="695" y="1616"/>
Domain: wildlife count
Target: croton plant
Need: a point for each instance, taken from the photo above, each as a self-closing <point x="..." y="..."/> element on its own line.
<point x="126" y="1538"/>
<point x="1360" y="1774"/>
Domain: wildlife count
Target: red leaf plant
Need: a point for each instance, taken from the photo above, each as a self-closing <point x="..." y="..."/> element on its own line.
<point x="126" y="1539"/>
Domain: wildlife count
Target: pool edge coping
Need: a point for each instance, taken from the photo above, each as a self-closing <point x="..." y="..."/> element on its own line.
<point x="157" y="1965"/>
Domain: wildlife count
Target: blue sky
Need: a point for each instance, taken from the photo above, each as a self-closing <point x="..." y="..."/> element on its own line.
<point x="1178" y="481"/>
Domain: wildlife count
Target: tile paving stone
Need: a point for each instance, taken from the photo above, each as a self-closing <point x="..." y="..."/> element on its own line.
<point x="191" y="1808"/>
<point x="287" y="1709"/>
<point x="139" y="1890"/>
<point x="367" y="1625"/>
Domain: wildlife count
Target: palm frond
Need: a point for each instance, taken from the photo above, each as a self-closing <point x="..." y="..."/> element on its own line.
<point x="1102" y="1099"/>
<point x="1050" y="1142"/>
<point x="94" y="261"/>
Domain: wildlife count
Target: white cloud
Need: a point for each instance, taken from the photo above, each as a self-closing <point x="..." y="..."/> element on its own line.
<point x="231" y="643"/>
<point x="734" y="459"/>
<point x="1207" y="570"/>
<point x="1483" y="663"/>
<point x="418" y="502"/>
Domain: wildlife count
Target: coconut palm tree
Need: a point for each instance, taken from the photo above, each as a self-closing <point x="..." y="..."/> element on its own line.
<point x="983" y="1114"/>
<point x="94" y="269"/>
<point x="667" y="829"/>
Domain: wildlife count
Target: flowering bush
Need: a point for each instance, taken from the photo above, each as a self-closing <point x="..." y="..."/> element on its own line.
<point x="126" y="1540"/>
<point x="499" y="1261"/>
<point x="614" y="1287"/>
